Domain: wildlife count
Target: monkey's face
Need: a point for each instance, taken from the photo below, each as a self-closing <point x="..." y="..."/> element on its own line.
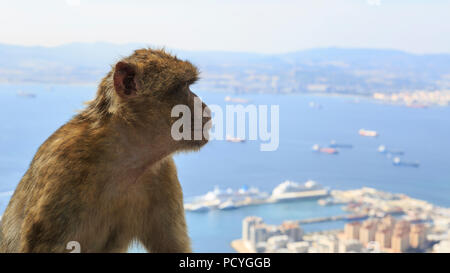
<point x="162" y="104"/>
<point x="190" y="118"/>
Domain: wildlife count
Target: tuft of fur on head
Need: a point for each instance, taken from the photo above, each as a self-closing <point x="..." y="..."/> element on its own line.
<point x="157" y="72"/>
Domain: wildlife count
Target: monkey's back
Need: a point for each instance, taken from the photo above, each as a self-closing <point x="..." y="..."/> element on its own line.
<point x="48" y="172"/>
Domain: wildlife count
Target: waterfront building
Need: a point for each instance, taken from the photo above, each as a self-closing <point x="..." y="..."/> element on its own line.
<point x="261" y="247"/>
<point x="255" y="231"/>
<point x="350" y="246"/>
<point x="247" y="223"/>
<point x="272" y="231"/>
<point x="298" y="247"/>
<point x="403" y="225"/>
<point x="292" y="230"/>
<point x="400" y="237"/>
<point x="417" y="236"/>
<point x="388" y="221"/>
<point x="258" y="233"/>
<point x="383" y="237"/>
<point x="400" y="240"/>
<point x="276" y="243"/>
<point x="351" y="231"/>
<point x="327" y="244"/>
<point x="367" y="232"/>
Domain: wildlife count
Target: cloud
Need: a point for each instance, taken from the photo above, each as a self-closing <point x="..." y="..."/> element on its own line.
<point x="73" y="3"/>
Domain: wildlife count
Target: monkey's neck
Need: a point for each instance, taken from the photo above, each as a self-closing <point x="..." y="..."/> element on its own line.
<point x="133" y="151"/>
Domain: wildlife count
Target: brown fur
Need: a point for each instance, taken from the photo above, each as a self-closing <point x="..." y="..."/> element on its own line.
<point x="107" y="177"/>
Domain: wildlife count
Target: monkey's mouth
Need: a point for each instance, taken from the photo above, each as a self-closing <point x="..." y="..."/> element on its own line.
<point x="204" y="129"/>
<point x="203" y="133"/>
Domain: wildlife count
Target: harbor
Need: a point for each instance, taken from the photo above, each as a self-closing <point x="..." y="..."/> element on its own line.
<point x="377" y="221"/>
<point x="229" y="199"/>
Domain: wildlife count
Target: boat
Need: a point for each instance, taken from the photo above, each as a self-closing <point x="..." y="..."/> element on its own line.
<point x="235" y="100"/>
<point x="325" y="150"/>
<point x="234" y="139"/>
<point x="334" y="144"/>
<point x="197" y="208"/>
<point x="289" y="190"/>
<point x="227" y="199"/>
<point x="325" y="202"/>
<point x="383" y="149"/>
<point x="330" y="151"/>
<point x="313" y="104"/>
<point x="368" y="133"/>
<point x="227" y="205"/>
<point x="24" y="94"/>
<point x="398" y="162"/>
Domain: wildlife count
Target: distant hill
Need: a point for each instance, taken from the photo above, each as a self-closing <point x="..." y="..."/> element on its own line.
<point x="335" y="70"/>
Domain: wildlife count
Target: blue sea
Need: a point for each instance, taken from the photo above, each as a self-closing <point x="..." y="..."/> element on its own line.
<point x="423" y="134"/>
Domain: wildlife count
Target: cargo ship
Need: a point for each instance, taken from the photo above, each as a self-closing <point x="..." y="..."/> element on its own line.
<point x="24" y="94"/>
<point x="398" y="162"/>
<point x="368" y="133"/>
<point x="325" y="150"/>
<point x="235" y="100"/>
<point x="334" y="144"/>
<point x="384" y="150"/>
<point x="234" y="139"/>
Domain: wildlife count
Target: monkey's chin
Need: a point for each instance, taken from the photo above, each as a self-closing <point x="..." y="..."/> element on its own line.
<point x="192" y="145"/>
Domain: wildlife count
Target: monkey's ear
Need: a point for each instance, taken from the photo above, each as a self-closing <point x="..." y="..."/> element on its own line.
<point x="124" y="79"/>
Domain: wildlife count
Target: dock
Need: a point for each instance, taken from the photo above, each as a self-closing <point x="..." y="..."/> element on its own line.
<point x="323" y="219"/>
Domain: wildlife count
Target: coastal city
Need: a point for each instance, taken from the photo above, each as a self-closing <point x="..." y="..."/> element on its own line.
<point x="230" y="136"/>
<point x="416" y="99"/>
<point x="379" y="222"/>
<point x="373" y="221"/>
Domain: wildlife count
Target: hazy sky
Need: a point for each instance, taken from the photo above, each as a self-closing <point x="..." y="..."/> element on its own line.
<point x="232" y="25"/>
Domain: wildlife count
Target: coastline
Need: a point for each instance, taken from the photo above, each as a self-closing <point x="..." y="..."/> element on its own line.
<point x="371" y="97"/>
<point x="370" y="206"/>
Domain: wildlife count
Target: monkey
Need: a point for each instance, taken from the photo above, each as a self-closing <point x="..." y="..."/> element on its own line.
<point x="107" y="177"/>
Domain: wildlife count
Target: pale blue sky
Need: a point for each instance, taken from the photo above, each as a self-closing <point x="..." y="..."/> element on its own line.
<point x="268" y="26"/>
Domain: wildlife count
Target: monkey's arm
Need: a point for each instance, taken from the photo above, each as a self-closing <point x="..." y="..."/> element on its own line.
<point x="164" y="228"/>
<point x="39" y="235"/>
<point x="50" y="222"/>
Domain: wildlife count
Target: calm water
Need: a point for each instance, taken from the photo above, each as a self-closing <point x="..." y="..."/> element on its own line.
<point x="423" y="134"/>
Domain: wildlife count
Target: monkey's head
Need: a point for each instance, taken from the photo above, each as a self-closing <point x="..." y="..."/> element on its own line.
<point x="143" y="90"/>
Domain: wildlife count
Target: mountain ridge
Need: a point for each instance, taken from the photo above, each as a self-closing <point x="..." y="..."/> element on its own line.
<point x="350" y="70"/>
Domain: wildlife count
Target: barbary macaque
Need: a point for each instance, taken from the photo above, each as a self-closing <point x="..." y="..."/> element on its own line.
<point x="107" y="177"/>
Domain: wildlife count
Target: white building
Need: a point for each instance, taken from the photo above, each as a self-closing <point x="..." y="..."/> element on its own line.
<point x="298" y="247"/>
<point x="442" y="247"/>
<point x="276" y="243"/>
<point x="247" y="223"/>
<point x="258" y="234"/>
<point x="327" y="244"/>
<point x="350" y="246"/>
